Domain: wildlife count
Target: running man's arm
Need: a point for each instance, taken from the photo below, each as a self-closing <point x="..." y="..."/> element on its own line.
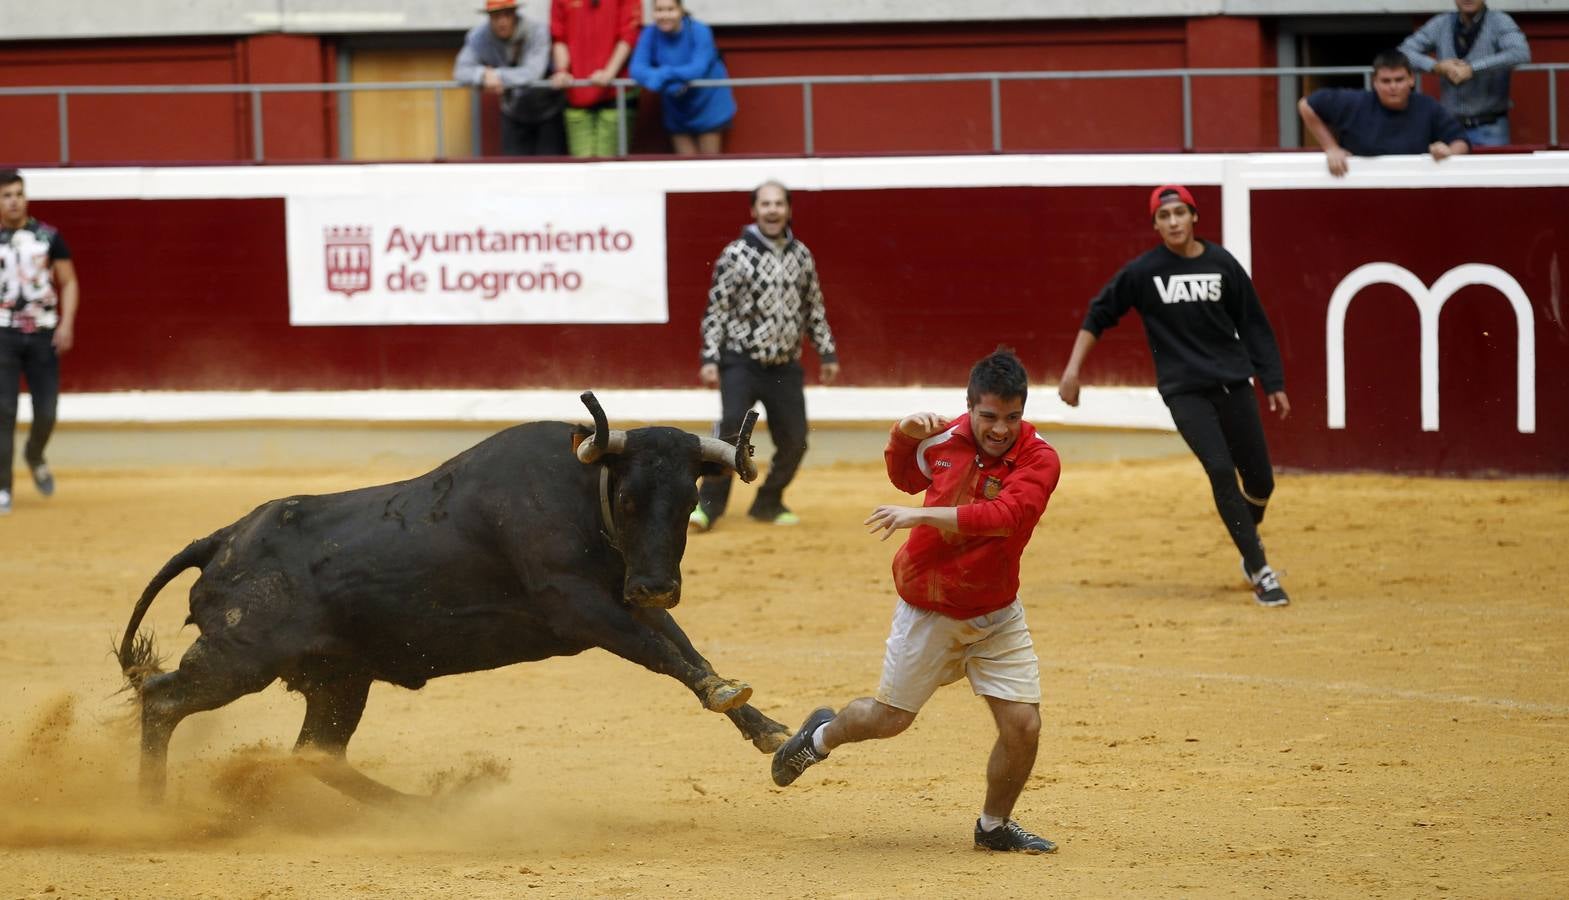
<point x="889" y="519"/>
<point x="1068" y="385"/>
<point x="901" y="457"/>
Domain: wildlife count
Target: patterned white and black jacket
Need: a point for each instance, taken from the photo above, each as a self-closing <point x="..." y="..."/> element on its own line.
<point x="762" y="299"/>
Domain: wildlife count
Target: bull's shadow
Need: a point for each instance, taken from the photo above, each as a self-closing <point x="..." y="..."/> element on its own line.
<point x="544" y="540"/>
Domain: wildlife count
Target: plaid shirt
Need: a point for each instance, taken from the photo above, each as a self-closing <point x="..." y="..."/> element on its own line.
<point x="1499" y="47"/>
<point x="762" y="299"/>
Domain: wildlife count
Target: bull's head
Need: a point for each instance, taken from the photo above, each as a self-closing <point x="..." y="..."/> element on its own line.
<point x="648" y="488"/>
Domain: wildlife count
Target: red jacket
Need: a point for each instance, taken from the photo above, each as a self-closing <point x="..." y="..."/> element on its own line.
<point x="590" y="31"/>
<point x="975" y="571"/>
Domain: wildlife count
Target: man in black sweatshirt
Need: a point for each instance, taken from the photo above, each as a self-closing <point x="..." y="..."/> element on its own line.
<point x="1209" y="336"/>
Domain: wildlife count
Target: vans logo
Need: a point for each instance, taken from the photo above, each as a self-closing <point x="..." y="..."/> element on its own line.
<point x="1184" y="288"/>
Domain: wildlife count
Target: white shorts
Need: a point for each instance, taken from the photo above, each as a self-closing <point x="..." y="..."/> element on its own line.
<point x="927" y="650"/>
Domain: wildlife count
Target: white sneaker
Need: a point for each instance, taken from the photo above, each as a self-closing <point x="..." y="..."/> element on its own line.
<point x="1266" y="587"/>
<point x="5" y="503"/>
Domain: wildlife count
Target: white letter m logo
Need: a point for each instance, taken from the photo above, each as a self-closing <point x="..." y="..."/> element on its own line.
<point x="1429" y="303"/>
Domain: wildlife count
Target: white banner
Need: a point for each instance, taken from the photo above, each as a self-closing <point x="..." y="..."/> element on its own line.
<point x="476" y="258"/>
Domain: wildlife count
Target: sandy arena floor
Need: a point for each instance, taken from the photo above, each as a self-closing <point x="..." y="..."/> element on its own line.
<point x="1402" y="730"/>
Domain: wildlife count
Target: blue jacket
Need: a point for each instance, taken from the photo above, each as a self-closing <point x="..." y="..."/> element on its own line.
<point x="666" y="62"/>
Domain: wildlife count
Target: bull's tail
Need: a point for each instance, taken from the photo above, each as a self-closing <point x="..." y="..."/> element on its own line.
<point x="138" y="659"/>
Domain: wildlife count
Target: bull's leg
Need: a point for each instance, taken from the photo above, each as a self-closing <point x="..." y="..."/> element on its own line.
<point x="332" y="712"/>
<point x="764" y="733"/>
<point x="591" y="617"/>
<point x="206" y="679"/>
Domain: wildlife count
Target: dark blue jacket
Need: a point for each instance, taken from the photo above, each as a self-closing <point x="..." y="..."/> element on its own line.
<point x="1368" y="128"/>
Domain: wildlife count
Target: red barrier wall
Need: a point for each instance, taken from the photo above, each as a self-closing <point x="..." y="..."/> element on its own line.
<point x="1306" y="242"/>
<point x="193" y="295"/>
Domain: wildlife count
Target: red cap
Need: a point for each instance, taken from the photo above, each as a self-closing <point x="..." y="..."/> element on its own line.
<point x="499" y="5"/>
<point x="1167" y="193"/>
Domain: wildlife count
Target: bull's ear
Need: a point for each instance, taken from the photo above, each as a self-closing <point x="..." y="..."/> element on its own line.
<point x="713" y="469"/>
<point x="579" y="435"/>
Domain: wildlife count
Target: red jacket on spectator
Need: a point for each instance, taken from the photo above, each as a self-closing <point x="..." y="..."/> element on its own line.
<point x="975" y="571"/>
<point x="590" y="29"/>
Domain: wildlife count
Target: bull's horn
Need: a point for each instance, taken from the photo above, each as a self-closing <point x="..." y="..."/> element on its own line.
<point x="589" y="451"/>
<point x="738" y="456"/>
<point x="604" y="440"/>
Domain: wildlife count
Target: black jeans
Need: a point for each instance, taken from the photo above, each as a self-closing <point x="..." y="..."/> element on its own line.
<point x="547" y="138"/>
<point x="32" y="355"/>
<point x="1222" y="427"/>
<point x="742" y="382"/>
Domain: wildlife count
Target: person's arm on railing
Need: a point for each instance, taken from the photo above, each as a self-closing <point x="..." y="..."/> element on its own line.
<point x="467" y="68"/>
<point x="562" y="76"/>
<point x="1336" y="156"/>
<point x="704" y="52"/>
<point x="643" y="70"/>
<point x="618" y="58"/>
<point x="1448" y="137"/>
<point x="1421" y="45"/>
<point x="1513" y="50"/>
<point x="536" y="56"/>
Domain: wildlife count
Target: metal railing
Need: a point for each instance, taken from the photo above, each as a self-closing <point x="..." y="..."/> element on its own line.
<point x="806" y="83"/>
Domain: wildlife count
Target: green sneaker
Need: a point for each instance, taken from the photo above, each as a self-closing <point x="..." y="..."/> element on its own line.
<point x="787" y="518"/>
<point x="699" y="520"/>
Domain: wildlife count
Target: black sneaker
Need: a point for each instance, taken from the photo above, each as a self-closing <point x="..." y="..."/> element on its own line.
<point x="797" y="754"/>
<point x="43" y="479"/>
<point x="1012" y="837"/>
<point x="1266" y="588"/>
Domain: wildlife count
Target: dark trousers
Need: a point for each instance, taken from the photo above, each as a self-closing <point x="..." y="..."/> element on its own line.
<point x="31" y="355"/>
<point x="743" y="382"/>
<point x="1222" y="427"/>
<point x="547" y="138"/>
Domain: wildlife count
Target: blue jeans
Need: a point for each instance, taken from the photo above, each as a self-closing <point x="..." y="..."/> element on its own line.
<point x="1493" y="134"/>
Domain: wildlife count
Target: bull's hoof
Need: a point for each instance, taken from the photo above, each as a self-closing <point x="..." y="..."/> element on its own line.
<point x="770" y="741"/>
<point x="724" y="695"/>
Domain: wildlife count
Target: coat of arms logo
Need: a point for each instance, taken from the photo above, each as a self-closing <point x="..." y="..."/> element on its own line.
<point x="348" y="259"/>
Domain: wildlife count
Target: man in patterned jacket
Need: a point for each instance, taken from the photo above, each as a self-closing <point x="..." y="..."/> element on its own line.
<point x="764" y="296"/>
<point x="987" y="476"/>
<point x="36" y="326"/>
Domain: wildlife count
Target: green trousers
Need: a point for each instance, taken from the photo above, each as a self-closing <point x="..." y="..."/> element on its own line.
<point x="592" y="132"/>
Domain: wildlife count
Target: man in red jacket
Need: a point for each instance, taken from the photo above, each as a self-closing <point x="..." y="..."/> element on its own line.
<point x="987" y="477"/>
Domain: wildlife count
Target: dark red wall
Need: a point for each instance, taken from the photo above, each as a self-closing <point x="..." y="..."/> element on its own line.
<point x="192" y="295"/>
<point x="1528" y="123"/>
<point x="125" y="128"/>
<point x="1141" y="114"/>
<point x="1306" y="242"/>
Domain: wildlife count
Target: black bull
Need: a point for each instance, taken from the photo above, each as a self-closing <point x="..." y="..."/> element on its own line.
<point x="544" y="540"/>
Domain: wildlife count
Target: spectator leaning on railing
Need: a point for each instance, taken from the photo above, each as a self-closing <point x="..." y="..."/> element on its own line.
<point x="674" y="50"/>
<point x="1387" y="120"/>
<point x="1475" y="48"/>
<point x="593" y="39"/>
<point x="503" y="55"/>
